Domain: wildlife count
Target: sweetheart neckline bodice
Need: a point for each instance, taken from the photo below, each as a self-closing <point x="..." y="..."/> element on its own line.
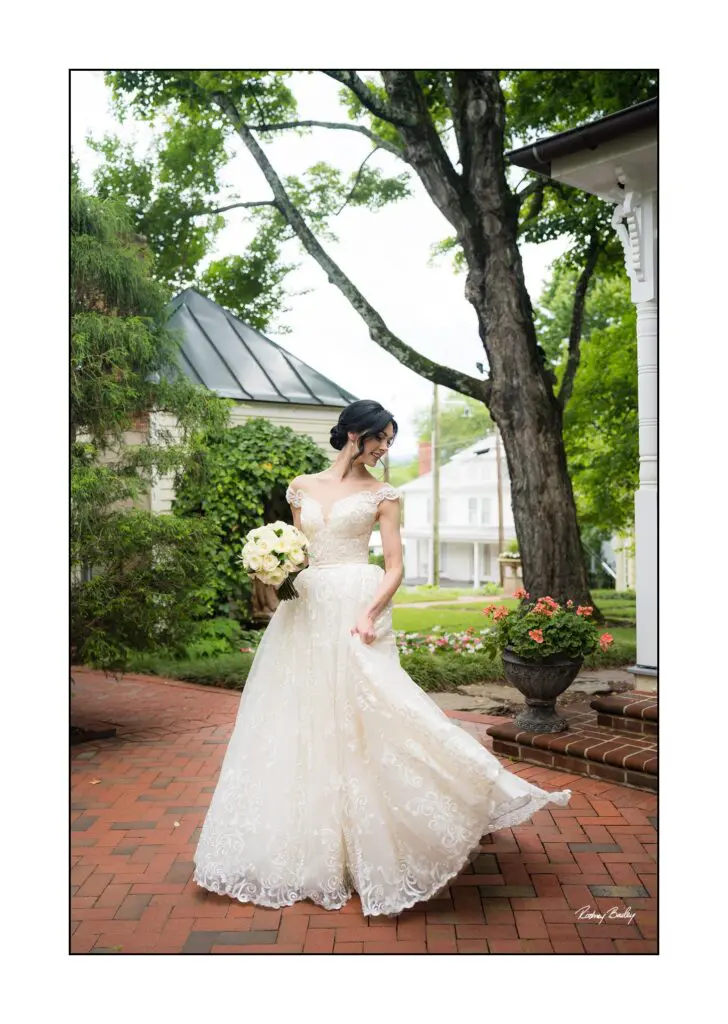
<point x="326" y="516"/>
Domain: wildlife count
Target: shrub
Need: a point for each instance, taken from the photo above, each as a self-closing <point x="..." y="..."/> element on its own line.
<point x="214" y="636"/>
<point x="447" y="672"/>
<point x="145" y="592"/>
<point x="227" y="670"/>
<point x="238" y="482"/>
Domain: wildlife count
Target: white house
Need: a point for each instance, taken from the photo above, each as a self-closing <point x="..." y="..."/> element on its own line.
<point x="615" y="158"/>
<point x="468" y="523"/>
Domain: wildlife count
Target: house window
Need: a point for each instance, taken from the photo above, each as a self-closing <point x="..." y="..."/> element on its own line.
<point x="472" y="511"/>
<point x="484" y="511"/>
<point x="443" y="510"/>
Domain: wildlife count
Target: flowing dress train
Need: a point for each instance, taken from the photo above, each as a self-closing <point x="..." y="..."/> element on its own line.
<point x="341" y="774"/>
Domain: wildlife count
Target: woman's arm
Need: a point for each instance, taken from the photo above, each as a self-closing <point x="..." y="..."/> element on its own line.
<point x="392" y="548"/>
<point x="393" y="570"/>
<point x="296" y="513"/>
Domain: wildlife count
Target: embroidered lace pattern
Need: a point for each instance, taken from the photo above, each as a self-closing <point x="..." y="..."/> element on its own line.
<point x="341" y="774"/>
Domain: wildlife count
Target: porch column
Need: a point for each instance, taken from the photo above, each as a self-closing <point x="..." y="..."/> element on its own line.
<point x="635" y="221"/>
<point x="476" y="565"/>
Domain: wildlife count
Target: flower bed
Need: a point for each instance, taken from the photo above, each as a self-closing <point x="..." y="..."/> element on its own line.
<point x="438" y="641"/>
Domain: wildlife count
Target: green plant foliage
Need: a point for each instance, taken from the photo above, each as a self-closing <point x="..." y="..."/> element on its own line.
<point x="180" y="202"/>
<point x="149" y="574"/>
<point x="236" y="482"/>
<point x="600" y="420"/>
<point x="542" y="628"/>
<point x="229" y="671"/>
<point x="138" y="581"/>
<point x="214" y="636"/>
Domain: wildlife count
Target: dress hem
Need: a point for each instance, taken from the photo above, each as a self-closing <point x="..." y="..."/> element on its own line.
<point x="511" y="817"/>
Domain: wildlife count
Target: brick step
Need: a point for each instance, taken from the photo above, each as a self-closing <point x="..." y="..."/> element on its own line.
<point x="626" y="726"/>
<point x="633" y="706"/>
<point x="586" y="748"/>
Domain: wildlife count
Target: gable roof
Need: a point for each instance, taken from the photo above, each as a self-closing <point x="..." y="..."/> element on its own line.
<point x="235" y="361"/>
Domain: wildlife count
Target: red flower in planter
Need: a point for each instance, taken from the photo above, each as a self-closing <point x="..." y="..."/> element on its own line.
<point x="536" y="634"/>
<point x="522" y="594"/>
<point x="606" y="640"/>
<point x="585" y="610"/>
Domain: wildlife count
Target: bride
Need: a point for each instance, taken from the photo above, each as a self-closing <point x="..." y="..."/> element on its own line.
<point x="341" y="774"/>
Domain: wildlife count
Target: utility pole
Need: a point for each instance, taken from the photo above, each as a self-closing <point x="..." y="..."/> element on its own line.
<point x="435" y="455"/>
<point x="501" y="540"/>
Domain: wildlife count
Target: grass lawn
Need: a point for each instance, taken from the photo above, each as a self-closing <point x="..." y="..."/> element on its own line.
<point x="614" y="606"/>
<point x="457" y="618"/>
<point x="431" y="672"/>
<point x="416" y="595"/>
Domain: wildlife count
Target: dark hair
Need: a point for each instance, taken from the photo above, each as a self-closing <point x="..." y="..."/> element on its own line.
<point x="365" y="418"/>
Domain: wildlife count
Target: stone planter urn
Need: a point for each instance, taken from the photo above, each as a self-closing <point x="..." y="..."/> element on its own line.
<point x="540" y="682"/>
<point x="512" y="575"/>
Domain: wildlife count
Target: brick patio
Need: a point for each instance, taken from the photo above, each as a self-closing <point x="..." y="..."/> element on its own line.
<point x="138" y="801"/>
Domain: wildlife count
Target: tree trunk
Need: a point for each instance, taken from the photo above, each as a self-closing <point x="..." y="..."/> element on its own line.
<point x="527" y="413"/>
<point x="521" y="399"/>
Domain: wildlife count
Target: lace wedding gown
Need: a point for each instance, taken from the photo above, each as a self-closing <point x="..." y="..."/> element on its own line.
<point x="341" y="774"/>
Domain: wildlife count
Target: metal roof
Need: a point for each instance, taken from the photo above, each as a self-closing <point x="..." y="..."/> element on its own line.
<point x="236" y="361"/>
<point x="538" y="156"/>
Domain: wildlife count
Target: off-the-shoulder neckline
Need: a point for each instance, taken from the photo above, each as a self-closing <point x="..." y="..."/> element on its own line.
<point x="363" y="490"/>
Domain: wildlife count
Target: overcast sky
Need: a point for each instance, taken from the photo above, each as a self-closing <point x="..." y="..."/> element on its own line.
<point x="386" y="254"/>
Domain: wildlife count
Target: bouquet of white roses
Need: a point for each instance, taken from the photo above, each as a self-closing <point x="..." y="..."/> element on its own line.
<point x="272" y="553"/>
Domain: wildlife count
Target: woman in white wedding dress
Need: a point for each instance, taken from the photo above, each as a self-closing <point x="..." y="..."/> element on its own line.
<point x="341" y="774"/>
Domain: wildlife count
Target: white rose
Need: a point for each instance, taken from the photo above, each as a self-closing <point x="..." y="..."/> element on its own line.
<point x="288" y="566"/>
<point x="266" y="541"/>
<point x="269" y="563"/>
<point x="254" y="561"/>
<point x="284" y="544"/>
<point x="296" y="556"/>
<point x="276" y="577"/>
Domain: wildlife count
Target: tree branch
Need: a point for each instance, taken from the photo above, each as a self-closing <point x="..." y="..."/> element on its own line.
<point x="538" y="185"/>
<point x="378" y="330"/>
<point x="425" y="152"/>
<point x="378" y="141"/>
<point x="236" y="206"/>
<point x="391" y="112"/>
<point x="356" y="182"/>
<point x="452" y="103"/>
<point x="535" y="189"/>
<point x="577" y="319"/>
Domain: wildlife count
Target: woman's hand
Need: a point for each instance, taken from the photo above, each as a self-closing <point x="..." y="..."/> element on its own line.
<point x="364" y="629"/>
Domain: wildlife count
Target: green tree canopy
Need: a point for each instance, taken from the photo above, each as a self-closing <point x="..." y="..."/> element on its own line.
<point x="600" y="420"/>
<point x="450" y="128"/>
<point x="137" y="580"/>
<point x="179" y="201"/>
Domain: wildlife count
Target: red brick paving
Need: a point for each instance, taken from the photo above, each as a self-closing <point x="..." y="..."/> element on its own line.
<point x="139" y="799"/>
